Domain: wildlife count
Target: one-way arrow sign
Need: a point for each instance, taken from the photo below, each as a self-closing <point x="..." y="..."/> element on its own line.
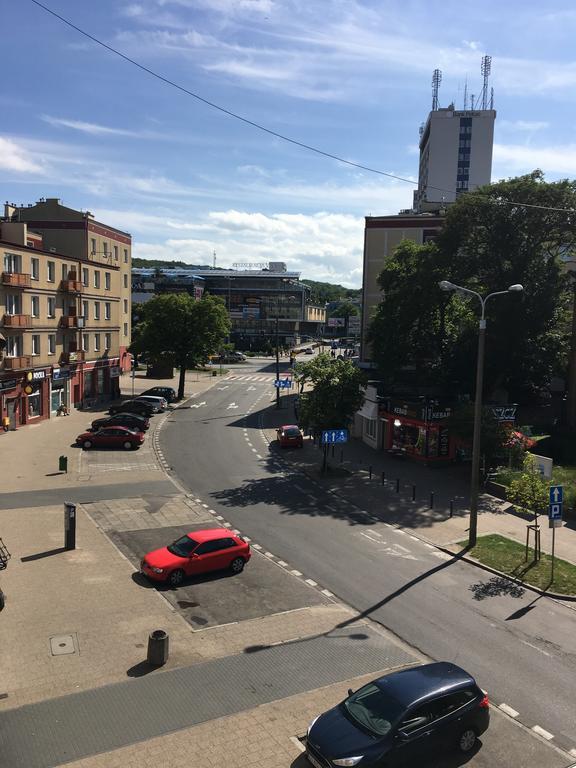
<point x="556" y="494"/>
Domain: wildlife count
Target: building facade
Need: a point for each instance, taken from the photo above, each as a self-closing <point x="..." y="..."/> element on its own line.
<point x="62" y="334"/>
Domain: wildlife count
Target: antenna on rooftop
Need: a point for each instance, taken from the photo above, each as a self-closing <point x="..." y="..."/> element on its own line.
<point x="436" y="80"/>
<point x="491" y="98"/>
<point x="214" y="260"/>
<point x="485" y="68"/>
<point x="466" y="94"/>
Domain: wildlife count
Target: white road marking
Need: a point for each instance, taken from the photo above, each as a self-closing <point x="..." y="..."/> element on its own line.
<point x="224" y="387"/>
<point x="205" y="506"/>
<point x="253" y="450"/>
<point x="327" y="593"/>
<point x="219" y="517"/>
<point x="298" y="744"/>
<point x="442" y="555"/>
<point x="232" y="405"/>
<point x="282" y="563"/>
<point x="258" y="456"/>
<point x="295" y="573"/>
<point x="250" y="389"/>
<point x="257" y="546"/>
<point x="198" y="501"/>
<point x="536" y="648"/>
<point x="311" y="582"/>
<point x="198" y="405"/>
<point x="572" y="752"/>
<point x="541" y="732"/>
<point x="508" y="710"/>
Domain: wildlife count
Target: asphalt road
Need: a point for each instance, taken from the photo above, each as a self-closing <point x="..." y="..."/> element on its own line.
<point x="522" y="649"/>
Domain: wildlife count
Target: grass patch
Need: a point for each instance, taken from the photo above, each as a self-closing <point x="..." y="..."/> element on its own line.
<point x="508" y="556"/>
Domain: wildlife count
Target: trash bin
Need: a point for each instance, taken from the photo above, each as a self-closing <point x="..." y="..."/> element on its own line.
<point x="158" y="648"/>
<point x="63" y="463"/>
<point x="214" y="373"/>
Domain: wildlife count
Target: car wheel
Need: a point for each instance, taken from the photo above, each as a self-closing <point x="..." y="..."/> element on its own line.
<point x="87" y="444"/>
<point x="127" y="445"/>
<point x="237" y="565"/>
<point x="467" y="740"/>
<point x="176" y="578"/>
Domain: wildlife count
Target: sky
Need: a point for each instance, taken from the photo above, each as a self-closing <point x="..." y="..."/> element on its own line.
<point x="350" y="78"/>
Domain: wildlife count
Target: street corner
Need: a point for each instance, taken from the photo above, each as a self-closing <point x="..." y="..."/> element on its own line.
<point x="214" y="599"/>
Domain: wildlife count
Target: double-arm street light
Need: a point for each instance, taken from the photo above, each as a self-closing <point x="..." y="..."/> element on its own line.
<point x="445" y="285"/>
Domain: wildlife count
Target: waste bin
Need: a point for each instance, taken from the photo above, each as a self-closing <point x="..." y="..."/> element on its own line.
<point x="214" y="373"/>
<point x="158" y="648"/>
<point x="63" y="463"/>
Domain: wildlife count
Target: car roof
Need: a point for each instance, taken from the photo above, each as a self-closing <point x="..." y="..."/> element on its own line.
<point x="409" y="686"/>
<point x="290" y="426"/>
<point x="207" y="534"/>
<point x="119" y="426"/>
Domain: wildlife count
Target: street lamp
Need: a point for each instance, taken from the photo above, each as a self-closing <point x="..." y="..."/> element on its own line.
<point x="446" y="285"/>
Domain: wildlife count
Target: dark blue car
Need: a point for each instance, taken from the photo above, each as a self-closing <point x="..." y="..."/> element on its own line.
<point x="401" y="720"/>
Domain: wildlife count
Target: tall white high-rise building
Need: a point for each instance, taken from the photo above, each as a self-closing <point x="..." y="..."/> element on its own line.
<point x="455" y="155"/>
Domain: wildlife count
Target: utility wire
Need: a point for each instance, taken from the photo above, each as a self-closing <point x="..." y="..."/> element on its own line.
<point x="263" y="128"/>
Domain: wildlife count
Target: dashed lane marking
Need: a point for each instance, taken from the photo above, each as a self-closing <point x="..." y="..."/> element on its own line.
<point x="296" y="573"/>
<point x="311" y="582"/>
<point x="508" y="710"/>
<point x="541" y="732"/>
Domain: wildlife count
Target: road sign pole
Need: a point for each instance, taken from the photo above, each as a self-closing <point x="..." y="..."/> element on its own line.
<point x="553" y="549"/>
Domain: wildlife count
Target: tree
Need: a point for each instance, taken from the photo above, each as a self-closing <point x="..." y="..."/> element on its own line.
<point x="488" y="242"/>
<point x="494" y="435"/>
<point x="335" y="392"/>
<point x="183" y="329"/>
<point x="529" y="492"/>
<point x="344" y="309"/>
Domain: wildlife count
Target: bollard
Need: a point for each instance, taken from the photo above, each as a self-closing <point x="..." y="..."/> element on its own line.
<point x="397" y="485"/>
<point x="413" y="493"/>
<point x="370" y="472"/>
<point x="63" y="464"/>
<point x="432" y="500"/>
<point x="451" y="507"/>
<point x="69" y="525"/>
<point x="383" y="478"/>
<point x="157" y="648"/>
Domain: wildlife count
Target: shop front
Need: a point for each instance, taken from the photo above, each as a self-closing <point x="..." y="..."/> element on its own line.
<point x="60" y="389"/>
<point x="101" y="379"/>
<point x="24" y="398"/>
<point x="36" y="387"/>
<point x="417" y="430"/>
<point x="10" y="402"/>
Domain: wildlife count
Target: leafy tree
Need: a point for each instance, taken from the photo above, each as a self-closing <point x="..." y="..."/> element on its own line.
<point x="322" y="293"/>
<point x="335" y="392"/>
<point x="487" y="243"/>
<point x="344" y="309"/>
<point x="185" y="331"/>
<point x="529" y="492"/>
<point x="493" y="437"/>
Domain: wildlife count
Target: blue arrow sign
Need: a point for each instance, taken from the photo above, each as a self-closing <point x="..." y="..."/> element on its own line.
<point x="331" y="436"/>
<point x="556" y="494"/>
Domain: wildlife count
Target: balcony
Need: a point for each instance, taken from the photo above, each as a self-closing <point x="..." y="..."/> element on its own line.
<point x="71" y="284"/>
<point x="77" y="356"/>
<point x="71" y="321"/>
<point x="16" y="279"/>
<point x="17" y="321"/>
<point x="17" y="363"/>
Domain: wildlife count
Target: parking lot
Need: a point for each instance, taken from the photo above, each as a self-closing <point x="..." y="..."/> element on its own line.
<point x="262" y="589"/>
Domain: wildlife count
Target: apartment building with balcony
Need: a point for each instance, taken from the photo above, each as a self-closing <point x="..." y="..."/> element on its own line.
<point x="60" y="327"/>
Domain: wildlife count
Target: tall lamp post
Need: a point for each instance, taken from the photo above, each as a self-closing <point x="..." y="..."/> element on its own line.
<point x="445" y="285"/>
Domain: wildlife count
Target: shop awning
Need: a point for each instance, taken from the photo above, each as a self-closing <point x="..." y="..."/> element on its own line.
<point x="369" y="410"/>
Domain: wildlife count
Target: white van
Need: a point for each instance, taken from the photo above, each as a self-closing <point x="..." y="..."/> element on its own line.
<point x="159" y="404"/>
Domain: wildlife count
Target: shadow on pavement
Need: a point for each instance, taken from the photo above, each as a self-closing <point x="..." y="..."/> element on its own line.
<point x="141" y="669"/>
<point x="449" y="760"/>
<point x="496" y="587"/>
<point x="40" y="555"/>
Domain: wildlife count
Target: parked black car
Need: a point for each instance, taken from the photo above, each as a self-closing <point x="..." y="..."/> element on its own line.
<point x="130" y="420"/>
<point x="132" y="406"/>
<point x="167" y="392"/>
<point x="402" y="719"/>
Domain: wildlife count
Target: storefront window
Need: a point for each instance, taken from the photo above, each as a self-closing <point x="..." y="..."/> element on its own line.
<point x="35" y="402"/>
<point x="409" y="439"/>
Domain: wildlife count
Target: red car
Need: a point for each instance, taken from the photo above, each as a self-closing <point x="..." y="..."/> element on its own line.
<point x="290" y="435"/>
<point x="212" y="549"/>
<point x="111" y="437"/>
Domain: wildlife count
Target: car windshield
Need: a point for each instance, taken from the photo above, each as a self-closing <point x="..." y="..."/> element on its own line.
<point x="183" y="546"/>
<point x="292" y="431"/>
<point x="371" y="709"/>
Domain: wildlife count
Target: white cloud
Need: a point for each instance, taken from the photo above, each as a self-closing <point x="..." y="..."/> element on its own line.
<point x="526" y="126"/>
<point x="91" y="128"/>
<point x="518" y="158"/>
<point x="14" y="157"/>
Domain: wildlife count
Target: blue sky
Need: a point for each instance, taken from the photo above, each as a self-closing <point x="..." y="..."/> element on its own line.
<point x="352" y="78"/>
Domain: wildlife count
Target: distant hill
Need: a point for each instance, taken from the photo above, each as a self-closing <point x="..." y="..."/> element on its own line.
<point x="153" y="263"/>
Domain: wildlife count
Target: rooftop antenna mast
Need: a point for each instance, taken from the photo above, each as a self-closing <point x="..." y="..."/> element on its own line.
<point x="466" y="94"/>
<point x="436" y="80"/>
<point x="214" y="260"/>
<point x="491" y="98"/>
<point x="485" y="68"/>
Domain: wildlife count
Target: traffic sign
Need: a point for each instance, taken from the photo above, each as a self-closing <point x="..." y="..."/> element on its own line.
<point x="330" y="436"/>
<point x="556" y="502"/>
<point x="283" y="383"/>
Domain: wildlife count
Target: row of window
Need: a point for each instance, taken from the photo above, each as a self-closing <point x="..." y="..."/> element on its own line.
<point x="13" y="263"/>
<point x="105" y="250"/>
<point x="14" y="344"/>
<point x="13" y="305"/>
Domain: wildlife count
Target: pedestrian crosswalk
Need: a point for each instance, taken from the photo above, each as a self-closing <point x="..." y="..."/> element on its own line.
<point x="234" y="377"/>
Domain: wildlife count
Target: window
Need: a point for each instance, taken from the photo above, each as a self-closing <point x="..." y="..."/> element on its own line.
<point x="125" y="329"/>
<point x="96" y="310"/>
<point x="125" y="306"/>
<point x="35" y="306"/>
<point x="13" y="304"/>
<point x="12" y="262"/>
<point x="85" y="342"/>
<point x="209" y="546"/>
<point x="370" y="427"/>
<point x="92" y="245"/>
<point x="85" y="311"/>
<point x="35" y="268"/>
<point x="51" y="343"/>
<point x="445" y="705"/>
<point x="14" y="346"/>
<point x="105" y="248"/>
<point x="125" y="255"/>
<point x="107" y="341"/>
<point x="418" y="718"/>
<point x="35" y="343"/>
<point x="35" y="401"/>
<point x="107" y="280"/>
<point x="96" y="278"/>
<point x="64" y="271"/>
<point x="51" y="306"/>
<point x="85" y="277"/>
<point x="51" y="267"/>
<point x="107" y="310"/>
<point x="96" y="342"/>
<point x="125" y="281"/>
<point x="115" y="253"/>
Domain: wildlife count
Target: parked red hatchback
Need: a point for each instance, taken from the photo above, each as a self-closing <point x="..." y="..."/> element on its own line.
<point x="212" y="549"/>
<point x="111" y="437"/>
<point x="290" y="435"/>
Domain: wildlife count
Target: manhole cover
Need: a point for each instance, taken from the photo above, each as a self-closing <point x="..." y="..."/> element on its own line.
<point x="62" y="644"/>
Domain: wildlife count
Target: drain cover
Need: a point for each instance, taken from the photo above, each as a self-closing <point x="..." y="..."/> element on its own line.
<point x="62" y="644"/>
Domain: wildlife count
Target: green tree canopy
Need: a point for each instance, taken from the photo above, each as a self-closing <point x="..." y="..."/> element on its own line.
<point x="493" y="237"/>
<point x="344" y="309"/>
<point x="183" y="329"/>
